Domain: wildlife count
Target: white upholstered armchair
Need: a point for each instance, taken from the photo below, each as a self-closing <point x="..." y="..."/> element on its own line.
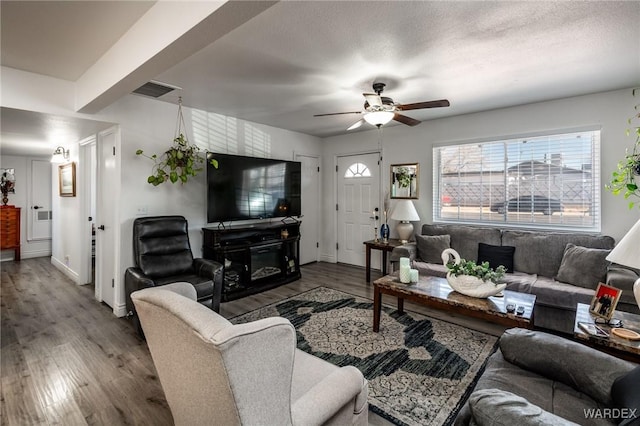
<point x="214" y="372"/>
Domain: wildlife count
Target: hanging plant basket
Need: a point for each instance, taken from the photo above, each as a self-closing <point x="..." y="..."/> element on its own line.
<point x="180" y="161"/>
<point x="625" y="179"/>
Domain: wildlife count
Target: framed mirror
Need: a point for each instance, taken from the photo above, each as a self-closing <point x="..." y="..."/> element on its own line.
<point x="404" y="180"/>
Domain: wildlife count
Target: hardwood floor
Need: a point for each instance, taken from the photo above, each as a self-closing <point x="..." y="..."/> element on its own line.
<point x="66" y="359"/>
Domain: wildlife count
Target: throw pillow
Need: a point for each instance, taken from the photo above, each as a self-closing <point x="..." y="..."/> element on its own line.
<point x="582" y="266"/>
<point x="430" y="247"/>
<point x="497" y="407"/>
<point x="496" y="255"/>
<point x="625" y="393"/>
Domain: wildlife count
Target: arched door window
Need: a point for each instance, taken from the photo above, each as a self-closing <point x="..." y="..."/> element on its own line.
<point x="357" y="170"/>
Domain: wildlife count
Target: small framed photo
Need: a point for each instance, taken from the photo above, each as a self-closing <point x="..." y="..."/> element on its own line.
<point x="67" y="180"/>
<point x="604" y="302"/>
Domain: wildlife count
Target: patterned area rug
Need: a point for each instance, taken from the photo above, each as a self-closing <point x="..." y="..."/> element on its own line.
<point x="420" y="369"/>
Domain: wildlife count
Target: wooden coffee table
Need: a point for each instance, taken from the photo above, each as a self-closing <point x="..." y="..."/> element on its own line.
<point x="435" y="292"/>
<point x="618" y="346"/>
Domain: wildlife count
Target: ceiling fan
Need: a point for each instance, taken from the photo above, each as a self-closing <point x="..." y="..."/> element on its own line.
<point x="379" y="110"/>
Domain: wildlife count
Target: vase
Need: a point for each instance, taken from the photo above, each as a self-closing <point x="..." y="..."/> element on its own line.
<point x="384" y="232"/>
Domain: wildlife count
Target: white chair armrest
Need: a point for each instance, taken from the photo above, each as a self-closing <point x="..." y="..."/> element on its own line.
<point x="325" y="399"/>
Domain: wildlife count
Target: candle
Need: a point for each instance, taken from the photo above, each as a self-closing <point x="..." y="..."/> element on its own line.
<point x="405" y="274"/>
<point x="404" y="261"/>
<point x="413" y="275"/>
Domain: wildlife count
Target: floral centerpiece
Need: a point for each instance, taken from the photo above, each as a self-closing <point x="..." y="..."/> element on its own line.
<point x="472" y="279"/>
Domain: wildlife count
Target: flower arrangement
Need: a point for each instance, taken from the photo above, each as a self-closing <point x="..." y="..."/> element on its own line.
<point x="481" y="271"/>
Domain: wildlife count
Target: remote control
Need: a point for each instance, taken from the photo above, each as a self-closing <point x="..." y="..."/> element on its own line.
<point x="520" y="310"/>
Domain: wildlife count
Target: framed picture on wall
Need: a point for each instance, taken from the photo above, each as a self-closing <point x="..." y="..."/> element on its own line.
<point x="67" y="180"/>
<point x="404" y="180"/>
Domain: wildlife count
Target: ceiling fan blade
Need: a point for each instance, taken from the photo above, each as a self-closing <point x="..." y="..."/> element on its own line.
<point x="338" y="113"/>
<point x="356" y="124"/>
<point x="429" y="104"/>
<point x="373" y="99"/>
<point x="406" y="120"/>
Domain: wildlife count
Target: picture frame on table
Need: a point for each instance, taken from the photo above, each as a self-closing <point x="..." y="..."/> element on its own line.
<point x="67" y="180"/>
<point x="404" y="181"/>
<point x="604" y="301"/>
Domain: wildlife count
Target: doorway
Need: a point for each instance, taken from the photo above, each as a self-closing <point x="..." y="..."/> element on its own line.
<point x="358" y="179"/>
<point x="309" y="228"/>
<point x="89" y="161"/>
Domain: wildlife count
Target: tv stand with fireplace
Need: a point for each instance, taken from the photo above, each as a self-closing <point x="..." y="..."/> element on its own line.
<point x="256" y="257"/>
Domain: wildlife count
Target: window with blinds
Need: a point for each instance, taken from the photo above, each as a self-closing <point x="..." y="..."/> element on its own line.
<point x="550" y="181"/>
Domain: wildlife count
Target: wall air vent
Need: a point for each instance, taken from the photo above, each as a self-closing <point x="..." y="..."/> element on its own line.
<point x="155" y="89"/>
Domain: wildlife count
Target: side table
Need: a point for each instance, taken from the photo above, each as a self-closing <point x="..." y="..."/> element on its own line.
<point x="622" y="348"/>
<point x="384" y="248"/>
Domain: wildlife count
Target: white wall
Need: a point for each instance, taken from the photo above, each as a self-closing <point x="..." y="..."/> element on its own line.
<point x="22" y="166"/>
<point x="404" y="144"/>
<point x="150" y="125"/>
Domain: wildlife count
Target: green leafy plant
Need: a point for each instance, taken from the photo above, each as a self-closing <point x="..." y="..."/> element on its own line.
<point x="482" y="271"/>
<point x="403" y="176"/>
<point x="625" y="178"/>
<point x="177" y="163"/>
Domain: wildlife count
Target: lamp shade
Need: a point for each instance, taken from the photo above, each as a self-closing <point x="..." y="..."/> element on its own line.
<point x="405" y="211"/>
<point x="378" y="118"/>
<point x="627" y="251"/>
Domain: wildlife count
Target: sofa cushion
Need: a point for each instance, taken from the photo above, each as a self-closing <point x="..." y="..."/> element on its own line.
<point x="430" y="247"/>
<point x="431" y="269"/>
<point x="582" y="266"/>
<point x="465" y="239"/>
<point x="496" y="255"/>
<point x="560" y="295"/>
<point x="520" y="282"/>
<point x="625" y="393"/>
<point x="541" y="253"/>
<point x="496" y="407"/>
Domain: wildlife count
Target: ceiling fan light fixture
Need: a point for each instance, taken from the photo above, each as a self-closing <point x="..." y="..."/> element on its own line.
<point x="379" y="118"/>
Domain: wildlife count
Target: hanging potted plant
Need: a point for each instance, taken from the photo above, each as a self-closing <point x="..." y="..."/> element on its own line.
<point x="625" y="178"/>
<point x="180" y="161"/>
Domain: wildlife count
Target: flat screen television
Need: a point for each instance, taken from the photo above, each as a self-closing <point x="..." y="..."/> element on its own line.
<point x="244" y="188"/>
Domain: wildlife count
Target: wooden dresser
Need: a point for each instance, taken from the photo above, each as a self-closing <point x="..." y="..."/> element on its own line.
<point x="10" y="229"/>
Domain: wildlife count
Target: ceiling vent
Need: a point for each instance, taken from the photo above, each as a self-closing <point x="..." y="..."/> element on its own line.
<point x="155" y="89"/>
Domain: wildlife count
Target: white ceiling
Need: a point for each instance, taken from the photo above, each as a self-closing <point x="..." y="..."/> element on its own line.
<point x="300" y="58"/>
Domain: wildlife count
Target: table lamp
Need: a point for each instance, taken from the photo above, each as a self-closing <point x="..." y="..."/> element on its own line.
<point x="627" y="253"/>
<point x="404" y="212"/>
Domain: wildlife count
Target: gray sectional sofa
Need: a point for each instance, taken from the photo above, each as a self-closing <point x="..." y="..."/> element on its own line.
<point x="558" y="383"/>
<point x="560" y="268"/>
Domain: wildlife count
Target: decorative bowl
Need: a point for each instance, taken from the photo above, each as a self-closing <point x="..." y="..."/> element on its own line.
<point x="467" y="284"/>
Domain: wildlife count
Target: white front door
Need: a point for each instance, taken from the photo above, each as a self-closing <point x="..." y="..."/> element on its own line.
<point x="39" y="217"/>
<point x="309" y="228"/>
<point x="358" y="197"/>
<point x="107" y="179"/>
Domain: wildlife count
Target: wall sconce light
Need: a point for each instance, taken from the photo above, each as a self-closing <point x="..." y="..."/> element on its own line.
<point x="60" y="155"/>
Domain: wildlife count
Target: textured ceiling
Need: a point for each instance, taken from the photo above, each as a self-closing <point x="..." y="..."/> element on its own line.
<point x="298" y="58"/>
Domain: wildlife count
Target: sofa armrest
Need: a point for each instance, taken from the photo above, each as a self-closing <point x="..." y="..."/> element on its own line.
<point x="409" y="250"/>
<point x="557" y="358"/>
<point x="622" y="278"/>
<point x="326" y="398"/>
<point x="213" y="270"/>
<point x="498" y="407"/>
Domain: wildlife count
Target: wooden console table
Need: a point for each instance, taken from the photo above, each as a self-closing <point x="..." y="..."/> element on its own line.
<point x="384" y="248"/>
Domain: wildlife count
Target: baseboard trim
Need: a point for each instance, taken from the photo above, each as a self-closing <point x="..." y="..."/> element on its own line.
<point x="328" y="258"/>
<point x="120" y="310"/>
<point x="73" y="275"/>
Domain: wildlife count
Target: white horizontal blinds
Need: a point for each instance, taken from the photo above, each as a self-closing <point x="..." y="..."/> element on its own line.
<point x="544" y="181"/>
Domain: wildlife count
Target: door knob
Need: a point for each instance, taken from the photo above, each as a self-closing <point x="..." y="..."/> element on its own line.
<point x="101" y="227"/>
<point x="37" y="207"/>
